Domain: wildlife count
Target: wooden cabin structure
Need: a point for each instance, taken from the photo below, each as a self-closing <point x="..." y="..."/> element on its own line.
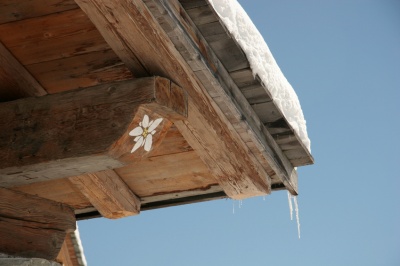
<point x="111" y="107"/>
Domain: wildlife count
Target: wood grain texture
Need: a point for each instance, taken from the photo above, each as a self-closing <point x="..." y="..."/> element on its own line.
<point x="228" y="96"/>
<point x="142" y="34"/>
<point x="161" y="175"/>
<point x="46" y="38"/>
<point x="16" y="81"/>
<point x="31" y="226"/>
<point x="77" y="132"/>
<point x="11" y="10"/>
<point x="61" y="190"/>
<point x="108" y="194"/>
<point x="111" y="35"/>
<point x="80" y="71"/>
<point x="66" y="255"/>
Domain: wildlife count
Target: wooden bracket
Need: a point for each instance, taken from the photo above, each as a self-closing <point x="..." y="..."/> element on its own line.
<point x="108" y="193"/>
<point x="82" y="131"/>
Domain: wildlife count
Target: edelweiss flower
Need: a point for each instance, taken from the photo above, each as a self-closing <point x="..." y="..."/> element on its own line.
<point x="144" y="133"/>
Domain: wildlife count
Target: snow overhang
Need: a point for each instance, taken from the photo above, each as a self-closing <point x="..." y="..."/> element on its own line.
<point x="229" y="46"/>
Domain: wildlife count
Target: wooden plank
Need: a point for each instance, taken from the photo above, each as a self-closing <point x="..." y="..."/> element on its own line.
<point x="52" y="37"/>
<point x="60" y="190"/>
<point x="11" y="10"/>
<point x="111" y="35"/>
<point x="181" y="194"/>
<point x="167" y="174"/>
<point x="16" y="81"/>
<point x="81" y="71"/>
<point x="202" y="15"/>
<point x="108" y="194"/>
<point x="31" y="226"/>
<point x="141" y="34"/>
<point x="65" y="257"/>
<point x="266" y="112"/>
<point x="82" y="131"/>
<point x="212" y="31"/>
<point x="188" y="4"/>
<point x="230" y="100"/>
<point x="231" y="56"/>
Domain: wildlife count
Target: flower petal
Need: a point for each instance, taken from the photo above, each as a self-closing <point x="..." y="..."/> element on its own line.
<point x="148" y="142"/>
<point x="137" y="138"/>
<point x="136" y="131"/>
<point x="137" y="144"/>
<point x="145" y="122"/>
<point x="155" y="124"/>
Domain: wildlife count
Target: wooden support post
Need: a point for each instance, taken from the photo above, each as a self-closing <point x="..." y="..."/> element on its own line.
<point x="31" y="226"/>
<point x="130" y="24"/>
<point x="86" y="130"/>
<point x="108" y="193"/>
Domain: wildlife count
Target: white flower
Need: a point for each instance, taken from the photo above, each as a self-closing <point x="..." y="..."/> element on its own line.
<point x="144" y="133"/>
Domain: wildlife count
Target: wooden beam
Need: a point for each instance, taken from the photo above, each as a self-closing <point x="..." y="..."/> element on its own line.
<point x="64" y="256"/>
<point x="221" y="87"/>
<point x="31" y="226"/>
<point x="86" y="130"/>
<point x="16" y="81"/>
<point x="237" y="170"/>
<point x="108" y="193"/>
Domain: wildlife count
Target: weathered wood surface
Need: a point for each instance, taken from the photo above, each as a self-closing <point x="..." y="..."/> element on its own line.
<point x="60" y="190"/>
<point x="81" y="131"/>
<point x="141" y="34"/>
<point x="167" y="174"/>
<point x="172" y="171"/>
<point x="64" y="51"/>
<point x="227" y="95"/>
<point x="12" y="10"/>
<point x="16" y="81"/>
<point x="83" y="71"/>
<point x="51" y="37"/>
<point x="221" y="72"/>
<point x="108" y="194"/>
<point x="66" y="256"/>
<point x="31" y="226"/>
<point x="234" y="60"/>
<point x="111" y="35"/>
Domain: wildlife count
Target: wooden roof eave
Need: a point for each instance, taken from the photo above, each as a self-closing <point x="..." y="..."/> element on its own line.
<point x="226" y="94"/>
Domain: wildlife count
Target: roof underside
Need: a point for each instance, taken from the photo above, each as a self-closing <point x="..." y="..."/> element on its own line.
<point x="61" y="48"/>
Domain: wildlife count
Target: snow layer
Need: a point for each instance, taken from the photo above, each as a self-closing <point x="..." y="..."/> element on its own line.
<point x="263" y="63"/>
<point x="80" y="255"/>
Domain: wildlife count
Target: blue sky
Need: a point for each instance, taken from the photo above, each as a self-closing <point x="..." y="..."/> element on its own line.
<point x="342" y="58"/>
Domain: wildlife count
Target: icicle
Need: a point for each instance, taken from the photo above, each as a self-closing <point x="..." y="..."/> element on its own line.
<point x="290" y="205"/>
<point x="296" y="207"/>
<point x="233" y="204"/>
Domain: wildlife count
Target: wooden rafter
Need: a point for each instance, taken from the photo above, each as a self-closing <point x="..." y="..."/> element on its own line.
<point x="108" y="193"/>
<point x="31" y="226"/>
<point x="227" y="96"/>
<point x="82" y="131"/>
<point x="132" y="24"/>
<point x="17" y="82"/>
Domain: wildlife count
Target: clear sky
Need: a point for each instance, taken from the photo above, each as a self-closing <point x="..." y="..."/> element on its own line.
<point x="343" y="60"/>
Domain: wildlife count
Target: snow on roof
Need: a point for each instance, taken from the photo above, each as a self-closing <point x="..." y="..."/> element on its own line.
<point x="76" y="240"/>
<point x="263" y="63"/>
